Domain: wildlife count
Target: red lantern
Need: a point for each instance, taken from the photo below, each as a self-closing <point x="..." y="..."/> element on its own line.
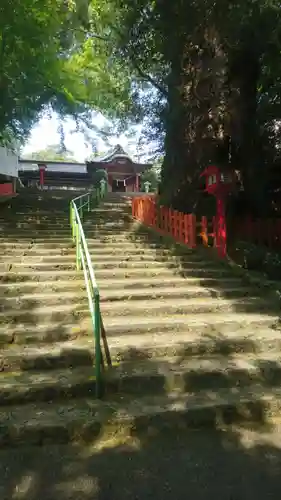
<point x="219" y="183"/>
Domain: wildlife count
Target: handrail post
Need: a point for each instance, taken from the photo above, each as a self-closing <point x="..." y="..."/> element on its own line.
<point x="74" y="227"/>
<point x="98" y="360"/>
<point x="72" y="219"/>
<point x="80" y="211"/>
<point x="83" y="261"/>
<point x="70" y="215"/>
<point x="78" y="238"/>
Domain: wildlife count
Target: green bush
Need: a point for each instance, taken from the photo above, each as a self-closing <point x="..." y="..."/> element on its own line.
<point x="254" y="257"/>
<point x="273" y="266"/>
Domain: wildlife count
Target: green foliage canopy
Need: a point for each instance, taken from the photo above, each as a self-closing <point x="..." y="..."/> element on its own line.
<point x="51" y="57"/>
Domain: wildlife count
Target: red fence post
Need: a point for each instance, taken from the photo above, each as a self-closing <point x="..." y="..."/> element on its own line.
<point x="186" y="227"/>
<point x="204" y="230"/>
<point x="214" y="229"/>
<point x="192" y="230"/>
<point x="174" y="222"/>
<point x="181" y="227"/>
<point x="169" y="220"/>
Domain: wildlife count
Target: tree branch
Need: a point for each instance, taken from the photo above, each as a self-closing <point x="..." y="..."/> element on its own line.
<point x="149" y="78"/>
<point x="144" y="75"/>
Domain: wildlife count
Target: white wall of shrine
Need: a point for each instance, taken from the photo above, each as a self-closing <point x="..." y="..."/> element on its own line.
<point x="8" y="162"/>
<point x="73" y="168"/>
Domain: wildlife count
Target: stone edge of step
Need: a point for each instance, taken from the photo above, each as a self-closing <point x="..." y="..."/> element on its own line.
<point x="162" y="307"/>
<point x="166" y="372"/>
<point x="255" y="278"/>
<point x="74" y="352"/>
<point x="83" y="420"/>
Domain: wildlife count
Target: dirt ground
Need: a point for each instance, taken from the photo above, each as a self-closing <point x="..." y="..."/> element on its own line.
<point x="232" y="464"/>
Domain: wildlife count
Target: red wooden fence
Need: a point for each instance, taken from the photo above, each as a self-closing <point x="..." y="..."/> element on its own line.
<point x="266" y="232"/>
<point x="184" y="228"/>
<point x="188" y="229"/>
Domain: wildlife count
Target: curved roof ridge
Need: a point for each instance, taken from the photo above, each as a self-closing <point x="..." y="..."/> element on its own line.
<point x="117" y="151"/>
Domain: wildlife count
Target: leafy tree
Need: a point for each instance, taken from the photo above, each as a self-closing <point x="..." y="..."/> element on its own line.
<point x="152" y="176"/>
<point x="98" y="175"/>
<point x="50" y="57"/>
<point x="199" y="75"/>
<point x="215" y="81"/>
<point x="51" y="153"/>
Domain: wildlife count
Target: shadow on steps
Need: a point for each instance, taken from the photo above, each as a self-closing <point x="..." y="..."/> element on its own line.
<point x="142" y="461"/>
<point x="265" y="304"/>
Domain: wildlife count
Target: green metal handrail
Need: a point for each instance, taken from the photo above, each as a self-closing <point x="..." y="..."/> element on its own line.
<point x="83" y="261"/>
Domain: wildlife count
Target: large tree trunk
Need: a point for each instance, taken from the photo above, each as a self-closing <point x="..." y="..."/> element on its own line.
<point x="247" y="143"/>
<point x="250" y="152"/>
<point x="195" y="135"/>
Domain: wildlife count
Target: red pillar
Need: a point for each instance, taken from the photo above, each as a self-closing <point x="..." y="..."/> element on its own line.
<point x="137" y="183"/>
<point x="221" y="227"/>
<point x="42" y="169"/>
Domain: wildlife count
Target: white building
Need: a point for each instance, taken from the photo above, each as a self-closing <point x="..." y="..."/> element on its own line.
<point x="8" y="173"/>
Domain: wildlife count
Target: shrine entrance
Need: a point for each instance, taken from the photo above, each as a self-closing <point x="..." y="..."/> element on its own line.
<point x="118" y="186"/>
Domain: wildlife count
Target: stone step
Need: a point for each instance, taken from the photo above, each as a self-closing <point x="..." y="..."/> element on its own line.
<point x="176" y="292"/>
<point x="143" y="342"/>
<point x="160" y="375"/>
<point x="34" y="222"/>
<point x="28" y="265"/>
<point x="22" y="289"/>
<point x="65" y="257"/>
<point x="52" y="297"/>
<point x="44" y="332"/>
<point x="154" y="376"/>
<point x="13" y="239"/>
<point x="70" y="344"/>
<point x="139" y="282"/>
<point x="151" y="377"/>
<point x="189" y="306"/>
<point x="119" y="230"/>
<point x="214" y="272"/>
<point x="211" y="323"/>
<point x="155" y="263"/>
<point x="121" y="316"/>
<point x="114" y="255"/>
<point x="52" y="254"/>
<point x="112" y="288"/>
<point x="40" y="276"/>
<point x="82" y="421"/>
<point x="33" y="312"/>
<point x="52" y="242"/>
<point x="42" y="228"/>
<point x="78" y="296"/>
<point x="25" y="273"/>
<point x="66" y="262"/>
<point x="25" y="387"/>
<point x="117" y="236"/>
<point x="24" y="245"/>
<point x="43" y="233"/>
<point x="23" y="213"/>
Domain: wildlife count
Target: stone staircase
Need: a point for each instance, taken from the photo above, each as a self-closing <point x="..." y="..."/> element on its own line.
<point x="191" y="343"/>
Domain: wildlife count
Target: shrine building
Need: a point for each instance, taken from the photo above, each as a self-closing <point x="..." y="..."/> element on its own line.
<point x="123" y="173"/>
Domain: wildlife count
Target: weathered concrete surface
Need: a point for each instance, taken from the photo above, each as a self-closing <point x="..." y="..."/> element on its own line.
<point x="236" y="464"/>
<point x="192" y="343"/>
